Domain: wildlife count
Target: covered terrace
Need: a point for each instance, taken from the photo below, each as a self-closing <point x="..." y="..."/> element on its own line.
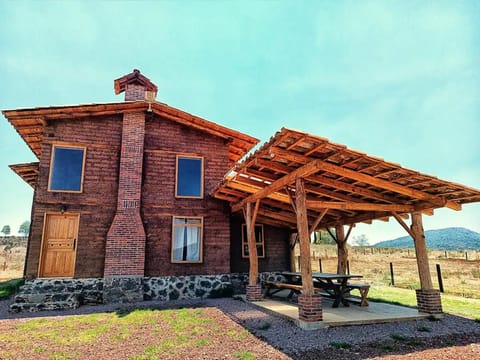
<point x="305" y="183"/>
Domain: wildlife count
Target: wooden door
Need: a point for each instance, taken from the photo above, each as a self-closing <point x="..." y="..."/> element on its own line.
<point x="59" y="245"/>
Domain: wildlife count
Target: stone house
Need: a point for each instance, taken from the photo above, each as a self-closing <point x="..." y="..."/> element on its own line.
<point x="122" y="197"/>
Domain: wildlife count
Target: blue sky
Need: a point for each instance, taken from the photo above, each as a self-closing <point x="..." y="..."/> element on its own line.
<point x="396" y="79"/>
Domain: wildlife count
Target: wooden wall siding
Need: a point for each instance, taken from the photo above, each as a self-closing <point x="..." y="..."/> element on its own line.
<point x="96" y="203"/>
<point x="165" y="139"/>
<point x="276" y="248"/>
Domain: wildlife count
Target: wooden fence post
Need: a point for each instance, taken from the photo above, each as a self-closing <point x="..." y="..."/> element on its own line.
<point x="439" y="276"/>
<point x="391" y="274"/>
<point x="320" y="265"/>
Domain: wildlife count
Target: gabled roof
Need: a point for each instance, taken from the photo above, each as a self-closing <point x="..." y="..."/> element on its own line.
<point x="28" y="172"/>
<point x="350" y="185"/>
<point x="134" y="77"/>
<point x="31" y="123"/>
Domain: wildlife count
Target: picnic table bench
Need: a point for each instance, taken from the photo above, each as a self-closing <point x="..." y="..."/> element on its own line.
<point x="273" y="287"/>
<point x="362" y="288"/>
<point x="335" y="286"/>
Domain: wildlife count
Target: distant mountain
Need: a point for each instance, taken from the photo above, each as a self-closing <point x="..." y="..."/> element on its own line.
<point x="456" y="238"/>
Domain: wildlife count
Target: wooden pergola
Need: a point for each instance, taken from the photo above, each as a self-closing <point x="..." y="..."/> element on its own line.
<point x="306" y="183"/>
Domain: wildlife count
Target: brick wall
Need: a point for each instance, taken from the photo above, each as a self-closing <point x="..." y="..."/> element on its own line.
<point x="165" y="139"/>
<point x="96" y="204"/>
<point x="276" y="248"/>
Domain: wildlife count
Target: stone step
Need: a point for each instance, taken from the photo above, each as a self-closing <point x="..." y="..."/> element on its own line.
<point x="45" y="286"/>
<point x="44" y="298"/>
<point x="86" y="297"/>
<point x="44" y="306"/>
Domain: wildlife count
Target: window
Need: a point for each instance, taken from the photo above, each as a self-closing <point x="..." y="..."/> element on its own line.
<point x="258" y="239"/>
<point x="66" y="169"/>
<point x="187" y="239"/>
<point x="189" y="182"/>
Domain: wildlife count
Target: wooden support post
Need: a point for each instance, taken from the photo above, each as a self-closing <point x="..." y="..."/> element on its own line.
<point x="421" y="251"/>
<point x="292" y="242"/>
<point x="342" y="250"/>
<point x="304" y="237"/>
<point x="252" y="247"/>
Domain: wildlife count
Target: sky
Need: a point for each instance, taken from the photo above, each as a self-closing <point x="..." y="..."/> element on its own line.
<point x="396" y="79"/>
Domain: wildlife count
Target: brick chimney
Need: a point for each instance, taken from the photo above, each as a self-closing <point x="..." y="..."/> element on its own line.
<point x="136" y="87"/>
<point x="125" y="245"/>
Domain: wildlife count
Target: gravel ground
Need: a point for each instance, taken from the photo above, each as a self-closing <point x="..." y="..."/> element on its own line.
<point x="455" y="335"/>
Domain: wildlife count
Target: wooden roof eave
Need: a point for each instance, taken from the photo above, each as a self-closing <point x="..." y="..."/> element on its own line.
<point x="36" y="119"/>
<point x="28" y="172"/>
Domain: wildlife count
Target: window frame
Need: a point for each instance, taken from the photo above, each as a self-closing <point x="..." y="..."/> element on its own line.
<point x="178" y="156"/>
<point x="200" y="260"/>
<point x="257" y="242"/>
<point x="52" y="157"/>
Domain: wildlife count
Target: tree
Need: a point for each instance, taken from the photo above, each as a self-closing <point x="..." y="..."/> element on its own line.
<point x="5" y="230"/>
<point x="360" y="240"/>
<point x="323" y="237"/>
<point x="24" y="228"/>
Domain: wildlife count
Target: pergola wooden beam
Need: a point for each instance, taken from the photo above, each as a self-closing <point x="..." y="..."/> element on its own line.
<point x="403" y="224"/>
<point x="313" y="204"/>
<point x="364" y="178"/>
<point x="319" y="218"/>
<point x="303" y="171"/>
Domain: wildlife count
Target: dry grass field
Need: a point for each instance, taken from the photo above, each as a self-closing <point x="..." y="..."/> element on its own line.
<point x="461" y="277"/>
<point x="11" y="262"/>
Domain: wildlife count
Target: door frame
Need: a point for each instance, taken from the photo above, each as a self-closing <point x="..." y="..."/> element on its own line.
<point x="42" y="247"/>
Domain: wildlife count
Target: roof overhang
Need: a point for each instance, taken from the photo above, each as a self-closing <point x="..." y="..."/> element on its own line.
<point x="31" y="123"/>
<point x="28" y="172"/>
<point x="352" y="186"/>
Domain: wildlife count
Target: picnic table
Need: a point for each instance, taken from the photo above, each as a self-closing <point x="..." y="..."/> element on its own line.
<point x="336" y="286"/>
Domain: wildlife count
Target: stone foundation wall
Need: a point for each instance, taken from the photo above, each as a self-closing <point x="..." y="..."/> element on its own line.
<point x="138" y="288"/>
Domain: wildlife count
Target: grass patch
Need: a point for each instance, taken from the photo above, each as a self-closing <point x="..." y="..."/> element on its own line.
<point x="177" y="333"/>
<point x="424" y="329"/>
<point x="389" y="346"/>
<point x="244" y="355"/>
<point x="263" y="325"/>
<point x="398" y="337"/>
<point x="341" y="345"/>
<point x="456" y="305"/>
<point x="9" y="288"/>
<point x="477" y="320"/>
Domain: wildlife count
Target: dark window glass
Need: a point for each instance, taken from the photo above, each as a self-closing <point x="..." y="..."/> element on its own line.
<point x="189" y="177"/>
<point x="66" y="172"/>
<point x="258" y="240"/>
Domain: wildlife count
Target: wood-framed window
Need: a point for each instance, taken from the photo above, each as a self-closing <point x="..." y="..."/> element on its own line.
<point x="187" y="239"/>
<point x="189" y="177"/>
<point x="259" y="240"/>
<point x="67" y="165"/>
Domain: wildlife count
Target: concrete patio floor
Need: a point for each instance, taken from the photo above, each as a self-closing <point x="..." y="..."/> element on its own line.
<point x="342" y="316"/>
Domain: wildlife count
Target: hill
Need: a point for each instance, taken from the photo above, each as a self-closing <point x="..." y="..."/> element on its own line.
<point x="456" y="238"/>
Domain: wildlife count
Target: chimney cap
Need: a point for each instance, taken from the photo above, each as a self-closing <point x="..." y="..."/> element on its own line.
<point x="134" y="77"/>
